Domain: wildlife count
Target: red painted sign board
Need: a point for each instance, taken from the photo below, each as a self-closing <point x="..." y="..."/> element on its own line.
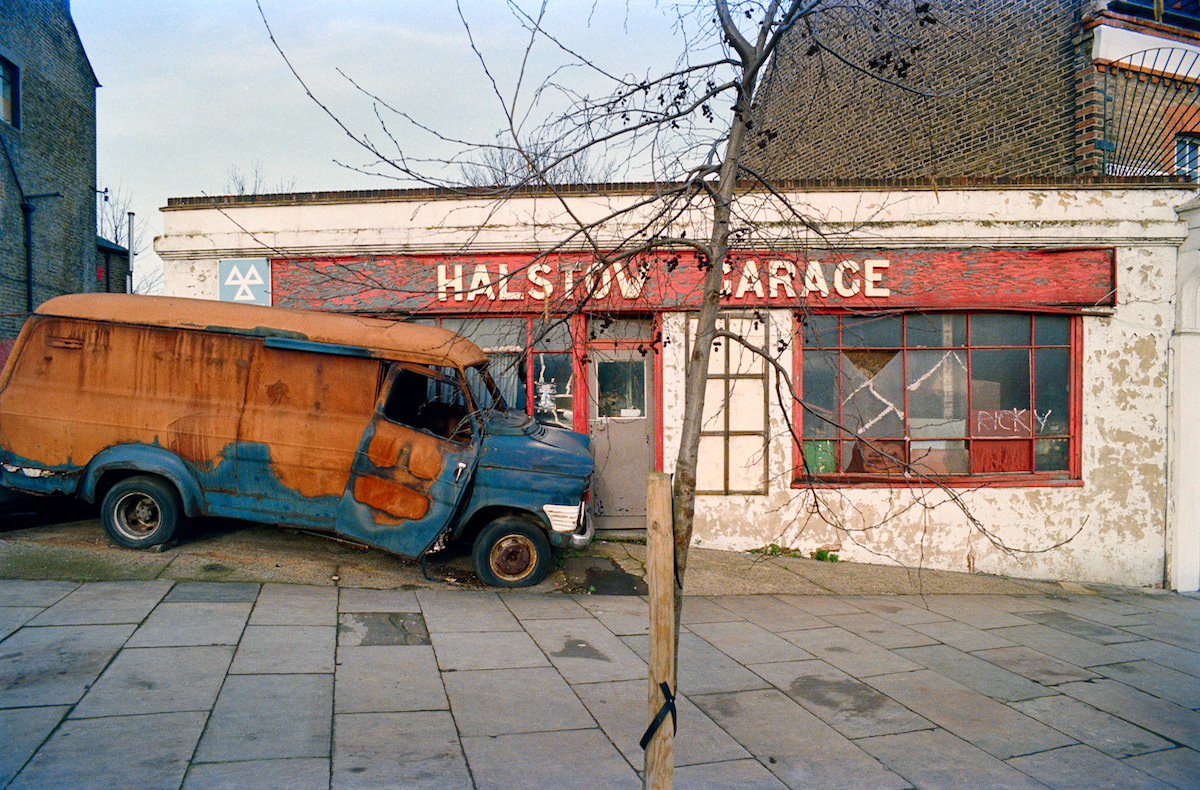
<point x="872" y="279"/>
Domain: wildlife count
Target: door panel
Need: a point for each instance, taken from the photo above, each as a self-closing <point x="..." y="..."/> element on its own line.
<point x="413" y="463"/>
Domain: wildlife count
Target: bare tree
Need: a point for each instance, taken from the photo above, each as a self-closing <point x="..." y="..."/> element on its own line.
<point x="504" y="165"/>
<point x="254" y="182"/>
<point x="113" y="205"/>
<point x="688" y="132"/>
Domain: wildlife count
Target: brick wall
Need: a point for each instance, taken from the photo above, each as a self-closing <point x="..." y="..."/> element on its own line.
<point x="52" y="151"/>
<point x="996" y="95"/>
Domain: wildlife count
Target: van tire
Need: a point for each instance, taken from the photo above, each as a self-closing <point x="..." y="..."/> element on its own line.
<point x="511" y="552"/>
<point x="139" y="512"/>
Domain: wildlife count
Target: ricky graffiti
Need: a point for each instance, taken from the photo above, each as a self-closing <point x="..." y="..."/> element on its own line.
<point x="1009" y="422"/>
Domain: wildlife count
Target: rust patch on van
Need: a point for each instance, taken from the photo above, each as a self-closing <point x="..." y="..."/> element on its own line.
<point x="384" y="495"/>
<point x="396" y="446"/>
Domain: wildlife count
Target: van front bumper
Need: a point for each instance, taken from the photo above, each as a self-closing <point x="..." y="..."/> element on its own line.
<point x="570" y="527"/>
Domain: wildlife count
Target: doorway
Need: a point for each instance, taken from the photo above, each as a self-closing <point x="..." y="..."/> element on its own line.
<point x="621" y="423"/>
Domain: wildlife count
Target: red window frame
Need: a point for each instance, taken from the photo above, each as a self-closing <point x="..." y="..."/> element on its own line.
<point x="1071" y="476"/>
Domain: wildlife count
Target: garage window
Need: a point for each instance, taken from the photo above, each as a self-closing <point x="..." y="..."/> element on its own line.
<point x="976" y="396"/>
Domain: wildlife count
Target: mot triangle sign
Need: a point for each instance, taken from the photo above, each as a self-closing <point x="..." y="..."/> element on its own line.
<point x="246" y="280"/>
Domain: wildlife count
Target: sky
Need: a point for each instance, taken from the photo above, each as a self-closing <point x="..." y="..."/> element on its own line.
<point x="194" y="92"/>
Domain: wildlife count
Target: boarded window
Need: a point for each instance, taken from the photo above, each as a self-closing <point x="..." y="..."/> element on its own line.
<point x="733" y="432"/>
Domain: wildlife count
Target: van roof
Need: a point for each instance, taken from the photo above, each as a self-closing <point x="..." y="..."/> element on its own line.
<point x="381" y="337"/>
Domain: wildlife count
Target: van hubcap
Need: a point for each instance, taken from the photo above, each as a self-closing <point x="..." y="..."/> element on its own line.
<point x="137" y="515"/>
<point x="512" y="558"/>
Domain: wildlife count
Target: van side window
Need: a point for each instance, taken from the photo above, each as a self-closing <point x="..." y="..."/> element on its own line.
<point x="430" y="400"/>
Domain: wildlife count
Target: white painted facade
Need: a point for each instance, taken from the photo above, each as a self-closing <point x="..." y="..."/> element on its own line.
<point x="1137" y="508"/>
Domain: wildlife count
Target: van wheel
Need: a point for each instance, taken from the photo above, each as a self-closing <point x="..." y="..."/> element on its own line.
<point x="511" y="552"/>
<point x="141" y="511"/>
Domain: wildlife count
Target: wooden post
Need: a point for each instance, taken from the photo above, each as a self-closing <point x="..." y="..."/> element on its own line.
<point x="660" y="578"/>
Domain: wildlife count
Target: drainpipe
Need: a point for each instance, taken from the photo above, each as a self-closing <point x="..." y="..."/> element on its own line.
<point x="27" y="222"/>
<point x="27" y="216"/>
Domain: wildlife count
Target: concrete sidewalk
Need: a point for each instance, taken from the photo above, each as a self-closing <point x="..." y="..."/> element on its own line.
<point x="161" y="683"/>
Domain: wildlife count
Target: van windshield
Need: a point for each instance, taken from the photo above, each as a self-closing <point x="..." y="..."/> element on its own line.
<point x="484" y="391"/>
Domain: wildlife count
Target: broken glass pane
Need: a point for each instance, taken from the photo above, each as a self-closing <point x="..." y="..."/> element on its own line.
<point x="873" y="393"/>
<point x="937" y="394"/>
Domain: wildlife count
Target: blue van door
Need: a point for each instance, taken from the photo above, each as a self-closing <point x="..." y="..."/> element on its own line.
<point x="414" y="461"/>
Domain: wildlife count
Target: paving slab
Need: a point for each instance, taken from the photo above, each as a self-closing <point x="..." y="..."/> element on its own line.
<point x="1038" y="667"/>
<point x="356" y="600"/>
<point x="213" y="592"/>
<point x="285" y="649"/>
<point x="103" y="603"/>
<point x="1159" y="716"/>
<point x="413" y="750"/>
<point x="295" y="604"/>
<point x="387" y="678"/>
<point x="975" y="673"/>
<point x="733" y="775"/>
<point x="621" y="614"/>
<point x="1072" y="767"/>
<point x="300" y="773"/>
<point x="55" y="665"/>
<point x="796" y="746"/>
<point x="850" y="706"/>
<point x="504" y="701"/>
<point x="113" y="759"/>
<point x="533" y="606"/>
<point x="491" y="650"/>
<point x="748" y="643"/>
<point x="455" y="610"/>
<point x="584" y="650"/>
<point x="576" y="760"/>
<point x="701" y="609"/>
<point x="29" y="592"/>
<point x="770" y="612"/>
<point x="367" y="629"/>
<point x="1186" y="660"/>
<point x="23" y="730"/>
<point x="935" y="759"/>
<point x="263" y="717"/>
<point x="898" y="609"/>
<point x="157" y="680"/>
<point x="1178" y="631"/>
<point x="820" y="605"/>
<point x="1153" y="678"/>
<point x="974" y="610"/>
<point x="13" y="617"/>
<point x="1087" y="629"/>
<point x="885" y="633"/>
<point x="849" y="652"/>
<point x="1100" y="609"/>
<point x="702" y="668"/>
<point x="622" y="709"/>
<point x="960" y="635"/>
<point x="1063" y="646"/>
<point x="193" y="623"/>
<point x="1177" y="767"/>
<point x="1095" y="728"/>
<point x="999" y="730"/>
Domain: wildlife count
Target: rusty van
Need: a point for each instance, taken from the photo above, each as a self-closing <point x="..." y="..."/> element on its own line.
<point x="388" y="433"/>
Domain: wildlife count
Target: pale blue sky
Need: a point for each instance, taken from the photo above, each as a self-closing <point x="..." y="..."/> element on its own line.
<point x="190" y="90"/>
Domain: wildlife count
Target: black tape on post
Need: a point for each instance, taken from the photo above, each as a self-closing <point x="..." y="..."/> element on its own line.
<point x="668" y="706"/>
